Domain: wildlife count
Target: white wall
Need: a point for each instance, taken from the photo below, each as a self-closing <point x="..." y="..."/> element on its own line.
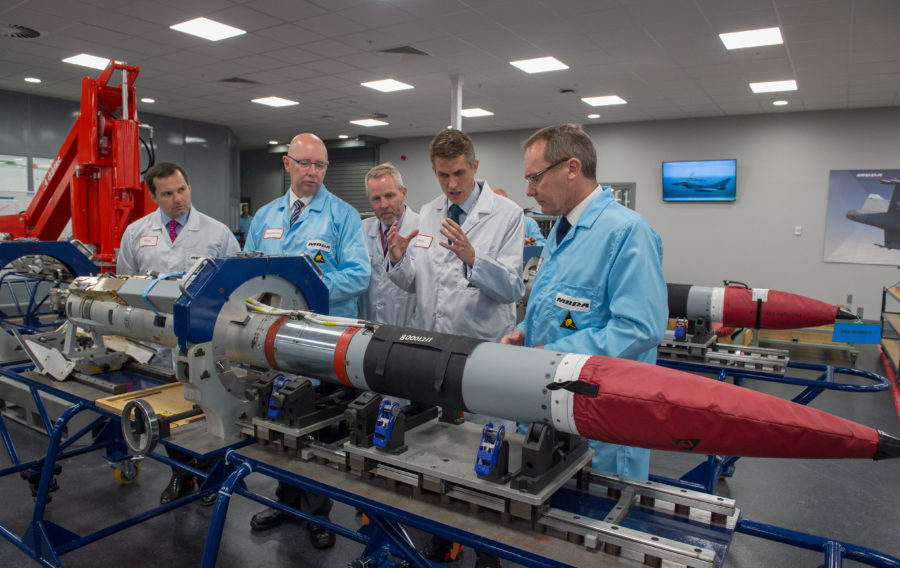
<point x="783" y="166"/>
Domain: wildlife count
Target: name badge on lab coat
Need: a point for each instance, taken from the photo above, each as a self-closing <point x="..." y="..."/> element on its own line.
<point x="274" y="233"/>
<point x="572" y="303"/>
<point x="318" y="245"/>
<point x="424" y="241"/>
<point x="148" y="241"/>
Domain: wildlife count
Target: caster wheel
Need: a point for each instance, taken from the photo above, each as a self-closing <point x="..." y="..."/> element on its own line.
<point x="128" y="473"/>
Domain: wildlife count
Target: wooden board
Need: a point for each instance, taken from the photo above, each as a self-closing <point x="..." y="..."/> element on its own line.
<point x="891" y="347"/>
<point x="893" y="320"/>
<point x="166" y="400"/>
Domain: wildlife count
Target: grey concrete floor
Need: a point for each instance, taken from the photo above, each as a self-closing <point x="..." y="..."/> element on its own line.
<point x="857" y="501"/>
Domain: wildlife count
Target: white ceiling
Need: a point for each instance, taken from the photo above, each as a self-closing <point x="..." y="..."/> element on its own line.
<point x="663" y="56"/>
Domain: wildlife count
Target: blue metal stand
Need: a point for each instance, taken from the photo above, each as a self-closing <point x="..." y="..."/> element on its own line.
<point x="45" y="541"/>
<point x="834" y="550"/>
<point x="383" y="537"/>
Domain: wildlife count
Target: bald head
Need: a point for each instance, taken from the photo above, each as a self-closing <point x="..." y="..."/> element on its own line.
<point x="306" y="140"/>
<point x="306" y="162"/>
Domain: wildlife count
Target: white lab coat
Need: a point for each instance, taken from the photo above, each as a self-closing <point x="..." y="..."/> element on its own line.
<point x="384" y="301"/>
<point x="146" y="244"/>
<point x="482" y="305"/>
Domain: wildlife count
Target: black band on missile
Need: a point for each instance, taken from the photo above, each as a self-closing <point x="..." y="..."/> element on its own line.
<point x="888" y="447"/>
<point x="578" y="387"/>
<point x="759" y="306"/>
<point x="398" y="359"/>
<point x="678" y="299"/>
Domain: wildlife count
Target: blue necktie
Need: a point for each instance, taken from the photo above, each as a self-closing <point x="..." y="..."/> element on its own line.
<point x="295" y="211"/>
<point x="562" y="227"/>
<point x="455" y="212"/>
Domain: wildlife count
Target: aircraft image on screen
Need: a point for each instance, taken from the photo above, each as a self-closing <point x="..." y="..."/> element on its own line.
<point x="698" y="185"/>
<point x="879" y="212"/>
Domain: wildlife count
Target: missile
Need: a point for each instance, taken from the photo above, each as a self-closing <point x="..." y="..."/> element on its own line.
<point x="601" y="398"/>
<point x="757" y="308"/>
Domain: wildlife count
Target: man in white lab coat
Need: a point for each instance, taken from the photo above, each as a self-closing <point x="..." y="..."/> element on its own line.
<point x="171" y="238"/>
<point x="384" y="302"/>
<point x="467" y="272"/>
<point x="168" y="241"/>
<point x="464" y="264"/>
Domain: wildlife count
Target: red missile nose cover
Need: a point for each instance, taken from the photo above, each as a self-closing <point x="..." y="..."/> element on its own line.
<point x="779" y="310"/>
<point x="653" y="407"/>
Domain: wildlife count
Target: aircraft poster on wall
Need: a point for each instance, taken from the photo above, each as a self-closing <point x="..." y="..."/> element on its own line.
<point x="863" y="219"/>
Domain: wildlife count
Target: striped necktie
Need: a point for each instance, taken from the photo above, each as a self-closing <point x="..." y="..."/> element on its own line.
<point x="295" y="211"/>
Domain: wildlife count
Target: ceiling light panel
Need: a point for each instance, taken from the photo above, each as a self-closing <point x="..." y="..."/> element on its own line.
<point x="774" y="86"/>
<point x="387" y="85"/>
<point x="605" y="100"/>
<point x="539" y="65"/>
<point x="86" y="60"/>
<point x="369" y="122"/>
<point x="475" y="112"/>
<point x="275" y="101"/>
<point x="752" y="38"/>
<point x="207" y="29"/>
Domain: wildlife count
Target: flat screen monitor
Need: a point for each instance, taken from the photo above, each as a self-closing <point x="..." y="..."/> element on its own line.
<point x="700" y="180"/>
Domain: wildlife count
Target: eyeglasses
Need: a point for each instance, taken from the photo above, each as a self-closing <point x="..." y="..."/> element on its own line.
<point x="534" y="179"/>
<point x="306" y="164"/>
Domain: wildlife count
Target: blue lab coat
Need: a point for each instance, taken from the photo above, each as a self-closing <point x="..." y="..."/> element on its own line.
<point x="533" y="230"/>
<point x="611" y="258"/>
<point x="330" y="231"/>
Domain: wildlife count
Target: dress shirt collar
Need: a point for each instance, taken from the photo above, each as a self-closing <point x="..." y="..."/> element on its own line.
<point x="182" y="219"/>
<point x="576" y="212"/>
<point x="293" y="199"/>
<point x="386" y="228"/>
<point x="468" y="203"/>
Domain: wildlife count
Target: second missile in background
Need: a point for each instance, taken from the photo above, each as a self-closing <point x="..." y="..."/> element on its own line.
<point x="758" y="308"/>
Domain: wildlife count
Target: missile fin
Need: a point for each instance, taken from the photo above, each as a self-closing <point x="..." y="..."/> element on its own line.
<point x="888" y="446"/>
<point x="843" y="314"/>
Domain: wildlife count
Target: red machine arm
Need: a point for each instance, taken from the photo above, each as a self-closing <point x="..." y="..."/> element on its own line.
<point x="95" y="178"/>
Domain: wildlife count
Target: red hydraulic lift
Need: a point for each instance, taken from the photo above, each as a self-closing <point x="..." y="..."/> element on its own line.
<point x="95" y="179"/>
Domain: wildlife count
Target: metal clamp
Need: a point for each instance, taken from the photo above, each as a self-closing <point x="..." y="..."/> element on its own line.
<point x="489" y="449"/>
<point x="276" y="401"/>
<point x="182" y="284"/>
<point x="384" y="424"/>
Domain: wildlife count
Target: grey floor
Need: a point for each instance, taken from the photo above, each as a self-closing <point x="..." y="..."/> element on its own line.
<point x="855" y="501"/>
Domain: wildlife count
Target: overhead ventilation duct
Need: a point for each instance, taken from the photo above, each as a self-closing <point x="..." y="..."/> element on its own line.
<point x="240" y="81"/>
<point x="404" y="50"/>
<point x="18" y="32"/>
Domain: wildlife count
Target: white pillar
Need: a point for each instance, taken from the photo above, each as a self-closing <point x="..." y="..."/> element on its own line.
<point x="456" y="86"/>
